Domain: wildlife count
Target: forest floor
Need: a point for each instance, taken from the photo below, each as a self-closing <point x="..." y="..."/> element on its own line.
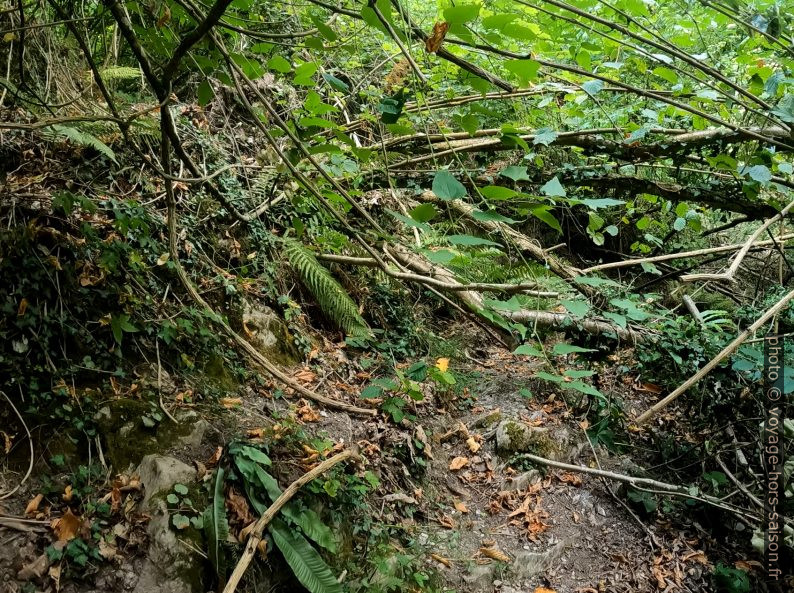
<point x="478" y="518"/>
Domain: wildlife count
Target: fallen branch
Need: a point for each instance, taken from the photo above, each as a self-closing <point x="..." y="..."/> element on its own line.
<point x="524" y="243"/>
<point x="683" y="255"/>
<point x="259" y="528"/>
<point x="474" y="301"/>
<point x="728" y="275"/>
<point x="729" y="349"/>
<point x="643" y="484"/>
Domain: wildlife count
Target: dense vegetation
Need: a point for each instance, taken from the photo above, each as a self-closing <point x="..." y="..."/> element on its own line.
<point x="221" y="191"/>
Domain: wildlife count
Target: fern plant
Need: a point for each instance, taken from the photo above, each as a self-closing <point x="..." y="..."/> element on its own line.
<point x="79" y="137"/>
<point x="120" y="73"/>
<point x="332" y="298"/>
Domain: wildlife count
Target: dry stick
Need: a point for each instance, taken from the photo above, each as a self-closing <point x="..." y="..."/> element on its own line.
<point x="729" y="349"/>
<point x="30" y="440"/>
<point x="744" y="490"/>
<point x="729" y="274"/>
<point x="641" y="484"/>
<point x="682" y="255"/>
<point x="272" y="511"/>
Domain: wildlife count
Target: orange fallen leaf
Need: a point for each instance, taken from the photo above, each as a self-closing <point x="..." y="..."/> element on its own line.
<point x="458" y="463"/>
<point x="442" y="364"/>
<point x="544" y="590"/>
<point x="23" y="306"/>
<point x="495" y="554"/>
<point x="231" y="402"/>
<point x="436" y="38"/>
<point x="67" y="494"/>
<point x="67" y="526"/>
<point x="33" y="505"/>
<point x="461" y="507"/>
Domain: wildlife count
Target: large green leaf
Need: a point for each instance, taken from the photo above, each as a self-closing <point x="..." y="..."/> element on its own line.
<point x="307" y="565"/>
<point x="216" y="527"/>
<point x="446" y="187"/>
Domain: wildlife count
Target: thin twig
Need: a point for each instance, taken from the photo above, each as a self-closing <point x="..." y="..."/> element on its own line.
<point x="30" y="441"/>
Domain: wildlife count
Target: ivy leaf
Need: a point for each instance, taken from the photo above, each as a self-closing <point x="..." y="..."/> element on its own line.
<point x="180" y="521"/>
<point x="120" y="324"/>
<point x="462" y="13"/>
<point x="544" y="136"/>
<point x="577" y="308"/>
<point x="528" y="350"/>
<point x="553" y="188"/>
<point x="593" y="87"/>
<point x="446" y="187"/>
<point x="760" y="173"/>
<point x="516" y="173"/>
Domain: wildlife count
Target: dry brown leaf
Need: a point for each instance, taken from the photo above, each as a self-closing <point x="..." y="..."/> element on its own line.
<point x="23" y="306"/>
<point x="495" y="554"/>
<point x="570" y="478"/>
<point x="436" y="38"/>
<point x="164" y="17"/>
<point x="473" y="444"/>
<point x="55" y="575"/>
<point x="458" y="463"/>
<point x="33" y="505"/>
<point x="67" y="526"/>
<point x="231" y="402"/>
<point x="35" y="569"/>
<point x="305" y="376"/>
<point x="544" y="590"/>
<point x="216" y="457"/>
<point x="306" y="413"/>
<point x="697" y="556"/>
<point x="461" y="507"/>
<point x="238" y="506"/>
<point x="447" y="522"/>
<point x="106" y="550"/>
<point x="67" y="493"/>
<point x="421" y="436"/>
<point x="7" y="440"/>
<point x="262" y="548"/>
<point x="246" y="531"/>
<point x="442" y="560"/>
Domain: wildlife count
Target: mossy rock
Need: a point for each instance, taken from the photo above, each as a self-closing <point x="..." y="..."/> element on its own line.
<point x="126" y="437"/>
<point x="556" y="444"/>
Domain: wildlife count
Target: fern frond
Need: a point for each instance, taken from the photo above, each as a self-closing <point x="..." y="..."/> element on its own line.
<point x="120" y="73"/>
<point x="81" y="138"/>
<point x="332" y="298"/>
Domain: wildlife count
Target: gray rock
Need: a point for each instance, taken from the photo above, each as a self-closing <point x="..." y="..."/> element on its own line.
<point x="159" y="474"/>
<point x="557" y="443"/>
<point x="170" y="567"/>
<point x="523" y="481"/>
<point x="481" y="576"/>
<point x="529" y="564"/>
<point x="268" y="333"/>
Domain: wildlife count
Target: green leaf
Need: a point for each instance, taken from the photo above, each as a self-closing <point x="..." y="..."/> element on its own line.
<point x="760" y="173"/>
<point x="172" y="499"/>
<point x="469" y="240"/>
<point x="180" y="489"/>
<point x="542" y="212"/>
<point x="119" y="324"/>
<point x="597" y="203"/>
<point x="336" y="83"/>
<point x="544" y="136"/>
<point x="577" y="308"/>
<point x="620" y="320"/>
<point x="446" y="187"/>
<point x="584" y="388"/>
<point x="549" y="377"/>
<point x="216" y="527"/>
<point x="408" y="221"/>
<point x="593" y="87"/>
<point x="180" y="521"/>
<point x="306" y="564"/>
<point x="498" y="21"/>
<point x="525" y="70"/>
<point x="462" y="13"/>
<point x="667" y="74"/>
<point x="313" y="528"/>
<point x="528" y="350"/>
<point x="562" y="349"/>
<point x="574" y="374"/>
<point x="516" y="173"/>
<point x="424" y="212"/>
<point x="498" y="192"/>
<point x="679" y="224"/>
<point x="553" y="188"/>
<point x="204" y="93"/>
